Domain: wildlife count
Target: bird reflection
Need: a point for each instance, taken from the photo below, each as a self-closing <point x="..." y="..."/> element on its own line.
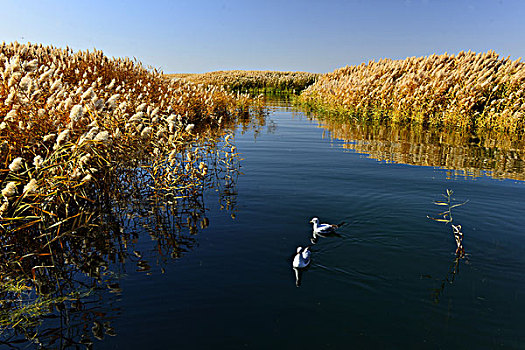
<point x="316" y="236"/>
<point x="299" y="274"/>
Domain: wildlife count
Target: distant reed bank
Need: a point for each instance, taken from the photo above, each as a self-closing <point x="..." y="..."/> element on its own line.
<point x="468" y="90"/>
<point x="254" y="81"/>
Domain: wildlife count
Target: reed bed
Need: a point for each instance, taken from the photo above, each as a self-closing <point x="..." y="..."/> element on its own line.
<point x="76" y="282"/>
<point x="69" y="120"/>
<point x="83" y="138"/>
<point x="254" y="81"/>
<point x="468" y="90"/>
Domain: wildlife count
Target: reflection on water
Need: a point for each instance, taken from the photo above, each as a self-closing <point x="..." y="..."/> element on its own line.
<point x="299" y="274"/>
<point x="453" y="270"/>
<point x="76" y="300"/>
<point x="67" y="295"/>
<point x="316" y="236"/>
<point x="496" y="155"/>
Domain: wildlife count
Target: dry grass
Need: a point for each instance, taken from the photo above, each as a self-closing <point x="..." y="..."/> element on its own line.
<point x="68" y="120"/>
<point x="89" y="145"/>
<point x="467" y="90"/>
<point x="81" y="133"/>
<point x="253" y="81"/>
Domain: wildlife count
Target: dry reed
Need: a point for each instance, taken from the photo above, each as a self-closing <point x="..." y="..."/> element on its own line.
<point x="68" y="120"/>
<point x="254" y="81"/>
<point x="466" y="90"/>
<point x="88" y="142"/>
<point x="80" y="131"/>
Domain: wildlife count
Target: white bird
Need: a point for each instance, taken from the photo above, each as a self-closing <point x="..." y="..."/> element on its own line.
<point x="302" y="258"/>
<point x="322" y="228"/>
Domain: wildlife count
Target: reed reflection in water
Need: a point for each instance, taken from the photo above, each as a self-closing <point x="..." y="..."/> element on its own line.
<point x="69" y="297"/>
<point x="494" y="154"/>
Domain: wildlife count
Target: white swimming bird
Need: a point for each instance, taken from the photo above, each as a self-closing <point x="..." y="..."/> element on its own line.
<point x="302" y="258"/>
<point x="322" y="228"/>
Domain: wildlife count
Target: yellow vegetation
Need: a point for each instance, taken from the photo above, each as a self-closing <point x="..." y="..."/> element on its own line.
<point x="71" y="124"/>
<point x="254" y="81"/>
<point x="89" y="145"/>
<point x="467" y="90"/>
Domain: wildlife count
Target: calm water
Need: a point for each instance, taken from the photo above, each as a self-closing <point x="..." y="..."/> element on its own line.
<point x="388" y="280"/>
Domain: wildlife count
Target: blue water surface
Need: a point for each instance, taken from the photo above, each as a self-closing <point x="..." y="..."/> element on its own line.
<point x="387" y="281"/>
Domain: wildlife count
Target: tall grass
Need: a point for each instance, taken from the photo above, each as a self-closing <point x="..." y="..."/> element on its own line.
<point x="254" y="81"/>
<point x="71" y="121"/>
<point x="467" y="90"/>
<point x="86" y="142"/>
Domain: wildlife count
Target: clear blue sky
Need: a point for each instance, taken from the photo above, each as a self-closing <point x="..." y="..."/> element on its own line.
<point x="315" y="36"/>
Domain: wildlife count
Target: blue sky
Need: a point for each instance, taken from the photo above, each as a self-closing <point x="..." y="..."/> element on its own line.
<point x="315" y="36"/>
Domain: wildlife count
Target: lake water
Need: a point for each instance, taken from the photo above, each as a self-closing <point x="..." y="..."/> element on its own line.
<point x="388" y="279"/>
